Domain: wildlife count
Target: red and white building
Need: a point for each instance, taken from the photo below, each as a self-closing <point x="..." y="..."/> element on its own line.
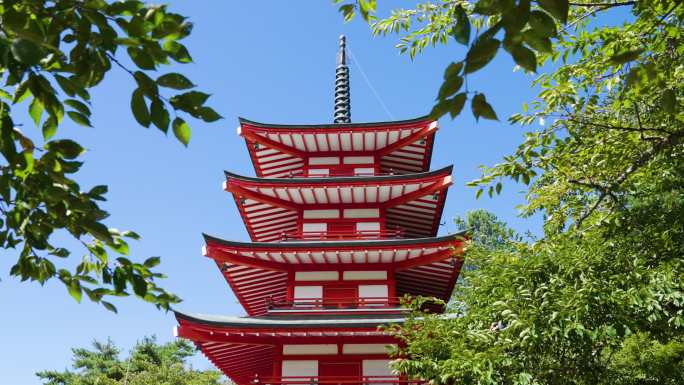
<point x="343" y="220"/>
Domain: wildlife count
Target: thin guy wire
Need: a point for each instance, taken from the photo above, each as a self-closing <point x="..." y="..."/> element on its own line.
<point x="368" y="82"/>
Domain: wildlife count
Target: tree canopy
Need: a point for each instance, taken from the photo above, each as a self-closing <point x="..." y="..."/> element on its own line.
<point x="599" y="298"/>
<point x="51" y="54"/>
<point x="149" y="363"/>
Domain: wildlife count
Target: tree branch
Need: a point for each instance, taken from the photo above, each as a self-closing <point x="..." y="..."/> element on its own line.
<point x="604" y="5"/>
<point x="641" y="161"/>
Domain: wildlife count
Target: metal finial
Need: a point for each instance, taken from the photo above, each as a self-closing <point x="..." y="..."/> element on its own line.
<point x="342" y="94"/>
<point x="342" y="54"/>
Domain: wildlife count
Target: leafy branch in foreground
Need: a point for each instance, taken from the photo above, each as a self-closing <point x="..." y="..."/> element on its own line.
<point x="529" y="31"/>
<point x="51" y="54"/>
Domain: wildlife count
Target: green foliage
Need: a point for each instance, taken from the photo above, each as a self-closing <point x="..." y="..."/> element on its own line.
<point x="599" y="298"/>
<point x="148" y="364"/>
<point x="51" y="54"/>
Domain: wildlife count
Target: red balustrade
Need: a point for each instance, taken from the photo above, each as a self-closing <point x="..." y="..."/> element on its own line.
<point x="335" y="380"/>
<point x="336" y="303"/>
<point x="332" y="235"/>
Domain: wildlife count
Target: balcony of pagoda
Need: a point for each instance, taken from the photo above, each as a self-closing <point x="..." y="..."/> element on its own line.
<point x="336" y="305"/>
<point x="335" y="380"/>
<point x="397" y="206"/>
<point x="282" y="151"/>
<point x="342" y="235"/>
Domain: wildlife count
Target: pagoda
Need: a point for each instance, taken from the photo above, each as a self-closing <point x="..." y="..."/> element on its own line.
<point x="343" y="221"/>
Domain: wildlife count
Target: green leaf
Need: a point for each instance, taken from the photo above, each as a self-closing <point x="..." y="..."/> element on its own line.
<point x="457" y="103"/>
<point x="139" y="285"/>
<point x="208" y="114"/>
<point x="481" y="53"/>
<point x="626" y="56"/>
<point x="542" y="24"/>
<point x="461" y="31"/>
<point x="478" y="193"/>
<point x="669" y="101"/>
<point x="36" y="110"/>
<point x="80" y="107"/>
<point x="141" y="58"/>
<point x="21" y="92"/>
<point x="66" y="147"/>
<point x="79" y="118"/>
<point x="348" y="11"/>
<point x="130" y="234"/>
<point x="175" y="81"/>
<point x="97" y="230"/>
<point x="177" y="51"/>
<point x="189" y="101"/>
<point x="538" y="43"/>
<point x="119" y="280"/>
<point x="152" y="262"/>
<point x="181" y="130"/>
<point x="481" y="108"/>
<point x="453" y="69"/>
<point x="557" y="8"/>
<point x="439" y="109"/>
<point x="146" y="84"/>
<point x="49" y="128"/>
<point x="26" y="51"/>
<point x="160" y="116"/>
<point x="515" y="18"/>
<point x="109" y="306"/>
<point x="139" y="108"/>
<point x="450" y="87"/>
<point x="525" y="58"/>
<point x="98" y="190"/>
<point x="74" y="288"/>
<point x="67" y="85"/>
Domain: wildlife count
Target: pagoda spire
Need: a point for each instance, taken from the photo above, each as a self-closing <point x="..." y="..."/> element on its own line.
<point x="342" y="97"/>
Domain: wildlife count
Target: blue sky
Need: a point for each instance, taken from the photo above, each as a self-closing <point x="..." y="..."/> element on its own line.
<point x="271" y="61"/>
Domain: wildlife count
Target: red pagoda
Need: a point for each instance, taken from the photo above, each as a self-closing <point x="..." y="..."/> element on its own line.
<point x="343" y="220"/>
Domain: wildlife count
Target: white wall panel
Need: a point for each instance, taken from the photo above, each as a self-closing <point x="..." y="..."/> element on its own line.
<point x="360" y="213"/>
<point x="364" y="275"/>
<point x="300" y="368"/>
<point x="316" y="226"/>
<point x="370" y="291"/>
<point x="325" y="349"/>
<point x="377" y="368"/>
<point x="317" y="276"/>
<point x="308" y="292"/>
<point x="324" y="160"/>
<point x="321" y="214"/>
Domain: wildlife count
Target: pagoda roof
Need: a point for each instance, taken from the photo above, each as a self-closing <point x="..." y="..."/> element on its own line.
<point x="242" y="347"/>
<point x="403" y="146"/>
<point x="270" y="208"/>
<point x="389" y="123"/>
<point x="286" y="323"/>
<point x="337" y="244"/>
<point x="340" y="179"/>
<point x="258" y="272"/>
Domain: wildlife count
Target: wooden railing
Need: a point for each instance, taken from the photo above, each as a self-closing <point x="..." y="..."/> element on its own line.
<point x="335" y="380"/>
<point x="332" y="235"/>
<point x="337" y="303"/>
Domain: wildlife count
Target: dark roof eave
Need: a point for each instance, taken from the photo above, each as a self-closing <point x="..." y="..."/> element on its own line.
<point x="444" y="170"/>
<point x="293" y="324"/>
<point x="423" y="118"/>
<point x="333" y="244"/>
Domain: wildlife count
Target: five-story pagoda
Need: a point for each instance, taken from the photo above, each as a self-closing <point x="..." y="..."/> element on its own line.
<point x="343" y="220"/>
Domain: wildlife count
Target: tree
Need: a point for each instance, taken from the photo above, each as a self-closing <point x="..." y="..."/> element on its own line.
<point x="51" y="54"/>
<point x="148" y="364"/>
<point x="599" y="298"/>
